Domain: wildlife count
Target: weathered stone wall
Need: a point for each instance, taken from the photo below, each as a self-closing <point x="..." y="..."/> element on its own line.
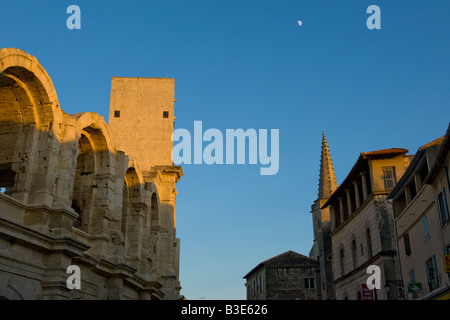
<point x="288" y="283"/>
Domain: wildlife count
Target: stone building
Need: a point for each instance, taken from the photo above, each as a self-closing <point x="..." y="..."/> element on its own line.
<point x="421" y="210"/>
<point x="362" y="225"/>
<point x="321" y="249"/>
<point x="76" y="191"/>
<point x="288" y="276"/>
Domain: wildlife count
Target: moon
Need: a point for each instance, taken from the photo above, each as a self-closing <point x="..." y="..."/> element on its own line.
<point x="299" y="22"/>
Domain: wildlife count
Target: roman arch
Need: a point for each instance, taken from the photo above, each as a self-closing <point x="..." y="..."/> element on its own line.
<point x="69" y="196"/>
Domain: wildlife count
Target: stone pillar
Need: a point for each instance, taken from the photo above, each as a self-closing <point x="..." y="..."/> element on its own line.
<point x="165" y="178"/>
<point x="417" y="181"/>
<point x="364" y="185"/>
<point x="349" y="202"/>
<point x="407" y="195"/>
<point x="358" y="200"/>
<point x="54" y="285"/>
<point x="115" y="288"/>
<point x="341" y="208"/>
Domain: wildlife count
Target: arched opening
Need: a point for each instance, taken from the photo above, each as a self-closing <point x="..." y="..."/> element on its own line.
<point x="354" y="254"/>
<point x="154" y="247"/>
<point x="131" y="194"/>
<point x="154" y="213"/>
<point x="17" y="133"/>
<point x="125" y="207"/>
<point x="82" y="195"/>
<point x="27" y="103"/>
<point x="369" y="244"/>
<point x="342" y="261"/>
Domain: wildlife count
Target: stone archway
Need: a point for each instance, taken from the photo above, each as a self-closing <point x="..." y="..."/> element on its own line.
<point x="29" y="107"/>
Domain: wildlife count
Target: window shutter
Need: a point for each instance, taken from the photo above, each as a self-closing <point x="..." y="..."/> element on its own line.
<point x="444" y="200"/>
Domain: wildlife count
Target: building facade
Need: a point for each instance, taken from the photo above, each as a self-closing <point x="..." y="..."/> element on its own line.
<point x="288" y="276"/>
<point x="421" y="210"/>
<point x="321" y="249"/>
<point x="75" y="191"/>
<point x="362" y="226"/>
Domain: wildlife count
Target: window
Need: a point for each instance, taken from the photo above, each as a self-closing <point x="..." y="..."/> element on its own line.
<point x="425" y="227"/>
<point x="432" y="276"/>
<point x="407" y="244"/>
<point x="7" y="179"/>
<point x="309" y="283"/>
<point x="369" y="243"/>
<point x="341" y="256"/>
<point x="441" y="202"/>
<point x="260" y="285"/>
<point x="354" y="254"/>
<point x="165" y="114"/>
<point x="389" y="178"/>
<point x="116" y="114"/>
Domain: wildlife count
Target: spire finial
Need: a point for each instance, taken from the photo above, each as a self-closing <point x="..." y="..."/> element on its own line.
<point x="327" y="177"/>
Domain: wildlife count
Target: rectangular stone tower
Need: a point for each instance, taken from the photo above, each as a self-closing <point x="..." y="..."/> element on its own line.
<point x="141" y="123"/>
<point x="141" y="119"/>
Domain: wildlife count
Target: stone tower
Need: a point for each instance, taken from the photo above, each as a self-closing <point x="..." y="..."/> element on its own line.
<point x="141" y="122"/>
<point x="321" y="249"/>
<point x="141" y="119"/>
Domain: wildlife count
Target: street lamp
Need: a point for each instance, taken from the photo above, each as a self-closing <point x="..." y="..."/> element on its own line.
<point x="387" y="287"/>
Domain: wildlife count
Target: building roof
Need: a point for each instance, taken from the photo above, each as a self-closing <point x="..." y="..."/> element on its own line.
<point x="417" y="160"/>
<point x="384" y="153"/>
<point x="433" y="143"/>
<point x="285" y="260"/>
<point x="327" y="177"/>
<point x="440" y="159"/>
<point x="357" y="167"/>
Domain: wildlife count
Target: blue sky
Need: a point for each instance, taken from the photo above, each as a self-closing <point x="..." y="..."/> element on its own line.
<point x="248" y="64"/>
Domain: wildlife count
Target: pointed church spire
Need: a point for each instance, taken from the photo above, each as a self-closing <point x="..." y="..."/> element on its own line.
<point x="327" y="178"/>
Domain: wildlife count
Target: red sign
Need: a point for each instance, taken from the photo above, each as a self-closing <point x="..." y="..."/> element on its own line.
<point x="367" y="294"/>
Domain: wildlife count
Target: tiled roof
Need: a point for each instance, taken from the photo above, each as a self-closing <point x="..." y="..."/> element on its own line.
<point x="286" y="259"/>
<point x="384" y="152"/>
<point x="378" y="154"/>
<point x="433" y="143"/>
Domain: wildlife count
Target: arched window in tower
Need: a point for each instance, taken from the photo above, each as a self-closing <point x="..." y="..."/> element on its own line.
<point x="369" y="244"/>
<point x="342" y="262"/>
<point x="354" y="254"/>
